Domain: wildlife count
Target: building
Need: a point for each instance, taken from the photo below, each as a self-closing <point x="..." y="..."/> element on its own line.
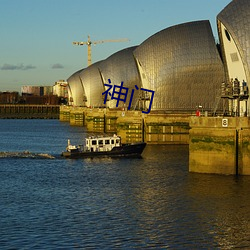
<point x="88" y="85"/>
<point x="234" y="33"/>
<point x="38" y="95"/>
<point x="120" y="68"/>
<point x="60" y="89"/>
<point x="37" y="90"/>
<point x="92" y="84"/>
<point x="76" y="93"/>
<point x="9" y="97"/>
<point x="182" y="64"/>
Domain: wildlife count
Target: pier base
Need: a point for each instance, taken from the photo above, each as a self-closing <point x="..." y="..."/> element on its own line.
<point x="219" y="145"/>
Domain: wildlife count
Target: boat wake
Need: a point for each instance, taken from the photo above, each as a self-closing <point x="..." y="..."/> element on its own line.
<point x="26" y="154"/>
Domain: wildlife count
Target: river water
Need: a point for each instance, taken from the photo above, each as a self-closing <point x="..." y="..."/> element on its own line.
<point x="149" y="203"/>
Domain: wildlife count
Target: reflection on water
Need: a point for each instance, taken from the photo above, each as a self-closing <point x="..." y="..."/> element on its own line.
<point x="224" y="201"/>
<point x="107" y="203"/>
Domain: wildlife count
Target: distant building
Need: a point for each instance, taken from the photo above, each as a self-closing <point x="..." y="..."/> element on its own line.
<point x="39" y="95"/>
<point x="37" y="90"/>
<point x="9" y="97"/>
<point x="60" y="89"/>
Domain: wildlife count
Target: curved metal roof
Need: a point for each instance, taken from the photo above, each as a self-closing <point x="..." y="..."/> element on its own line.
<point x="182" y="65"/>
<point x="121" y="67"/>
<point x="93" y="85"/>
<point x="236" y="18"/>
<point x="76" y="90"/>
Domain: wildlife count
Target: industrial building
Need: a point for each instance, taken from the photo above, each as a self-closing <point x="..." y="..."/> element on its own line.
<point x="182" y="64"/>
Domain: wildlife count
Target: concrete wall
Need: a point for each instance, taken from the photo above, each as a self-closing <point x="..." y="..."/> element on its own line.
<point x="167" y="129"/>
<point x="219" y="145"/>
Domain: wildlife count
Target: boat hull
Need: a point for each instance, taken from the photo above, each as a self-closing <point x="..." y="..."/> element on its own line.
<point x="126" y="150"/>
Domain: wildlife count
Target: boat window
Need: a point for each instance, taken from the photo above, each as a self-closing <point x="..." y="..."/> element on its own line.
<point x="117" y="141"/>
<point x="112" y="142"/>
<point x="100" y="142"/>
<point x="93" y="142"/>
<point x="107" y="142"/>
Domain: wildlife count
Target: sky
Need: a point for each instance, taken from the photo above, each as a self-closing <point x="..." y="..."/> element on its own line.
<point x="36" y="35"/>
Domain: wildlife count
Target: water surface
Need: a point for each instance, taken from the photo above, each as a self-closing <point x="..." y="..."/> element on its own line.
<point x="104" y="203"/>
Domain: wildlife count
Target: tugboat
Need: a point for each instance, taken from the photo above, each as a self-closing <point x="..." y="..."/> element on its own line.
<point x="96" y="146"/>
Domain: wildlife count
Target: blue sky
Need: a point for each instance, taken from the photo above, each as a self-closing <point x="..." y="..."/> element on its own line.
<point x="36" y="35"/>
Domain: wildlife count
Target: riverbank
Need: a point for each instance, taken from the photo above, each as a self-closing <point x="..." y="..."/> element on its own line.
<point x="25" y="111"/>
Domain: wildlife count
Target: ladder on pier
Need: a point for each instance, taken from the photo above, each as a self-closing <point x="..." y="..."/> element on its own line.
<point x="217" y="101"/>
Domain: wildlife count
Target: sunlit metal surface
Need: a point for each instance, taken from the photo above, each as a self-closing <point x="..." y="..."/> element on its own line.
<point x="234" y="30"/>
<point x="182" y="65"/>
<point x="76" y="91"/>
<point x="236" y="18"/>
<point x="93" y="85"/>
<point x="121" y="67"/>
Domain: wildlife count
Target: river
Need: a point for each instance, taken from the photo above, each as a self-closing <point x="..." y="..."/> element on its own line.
<point x="48" y="202"/>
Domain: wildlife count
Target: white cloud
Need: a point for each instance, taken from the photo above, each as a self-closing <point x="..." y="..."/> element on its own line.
<point x="57" y="66"/>
<point x="21" y="66"/>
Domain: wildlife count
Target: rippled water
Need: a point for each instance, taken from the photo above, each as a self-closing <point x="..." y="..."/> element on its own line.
<point x="107" y="203"/>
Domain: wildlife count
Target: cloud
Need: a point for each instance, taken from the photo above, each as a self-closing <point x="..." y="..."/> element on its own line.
<point x="57" y="66"/>
<point x="21" y="66"/>
<point x="29" y="67"/>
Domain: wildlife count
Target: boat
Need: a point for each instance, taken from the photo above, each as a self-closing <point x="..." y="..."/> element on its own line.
<point x="102" y="146"/>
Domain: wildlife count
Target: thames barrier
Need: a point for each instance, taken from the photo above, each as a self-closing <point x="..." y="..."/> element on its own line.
<point x="174" y="75"/>
<point x="183" y="87"/>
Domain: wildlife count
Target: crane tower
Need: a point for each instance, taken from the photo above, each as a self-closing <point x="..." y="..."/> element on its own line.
<point x="89" y="43"/>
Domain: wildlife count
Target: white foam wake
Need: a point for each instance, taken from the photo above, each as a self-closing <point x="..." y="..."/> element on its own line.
<point x="26" y="154"/>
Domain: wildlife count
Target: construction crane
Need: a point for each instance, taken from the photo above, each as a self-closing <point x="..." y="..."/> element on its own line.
<point x="89" y="43"/>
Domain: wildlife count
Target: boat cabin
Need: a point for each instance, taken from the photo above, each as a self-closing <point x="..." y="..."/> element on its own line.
<point x="102" y="143"/>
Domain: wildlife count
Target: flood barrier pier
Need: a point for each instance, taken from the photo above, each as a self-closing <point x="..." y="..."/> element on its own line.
<point x="25" y="111"/>
<point x="219" y="145"/>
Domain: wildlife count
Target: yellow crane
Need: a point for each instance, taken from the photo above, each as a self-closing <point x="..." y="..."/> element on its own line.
<point x="89" y="43"/>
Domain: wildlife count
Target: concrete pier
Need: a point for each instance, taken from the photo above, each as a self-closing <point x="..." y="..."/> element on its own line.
<point x="64" y="114"/>
<point x="219" y="145"/>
